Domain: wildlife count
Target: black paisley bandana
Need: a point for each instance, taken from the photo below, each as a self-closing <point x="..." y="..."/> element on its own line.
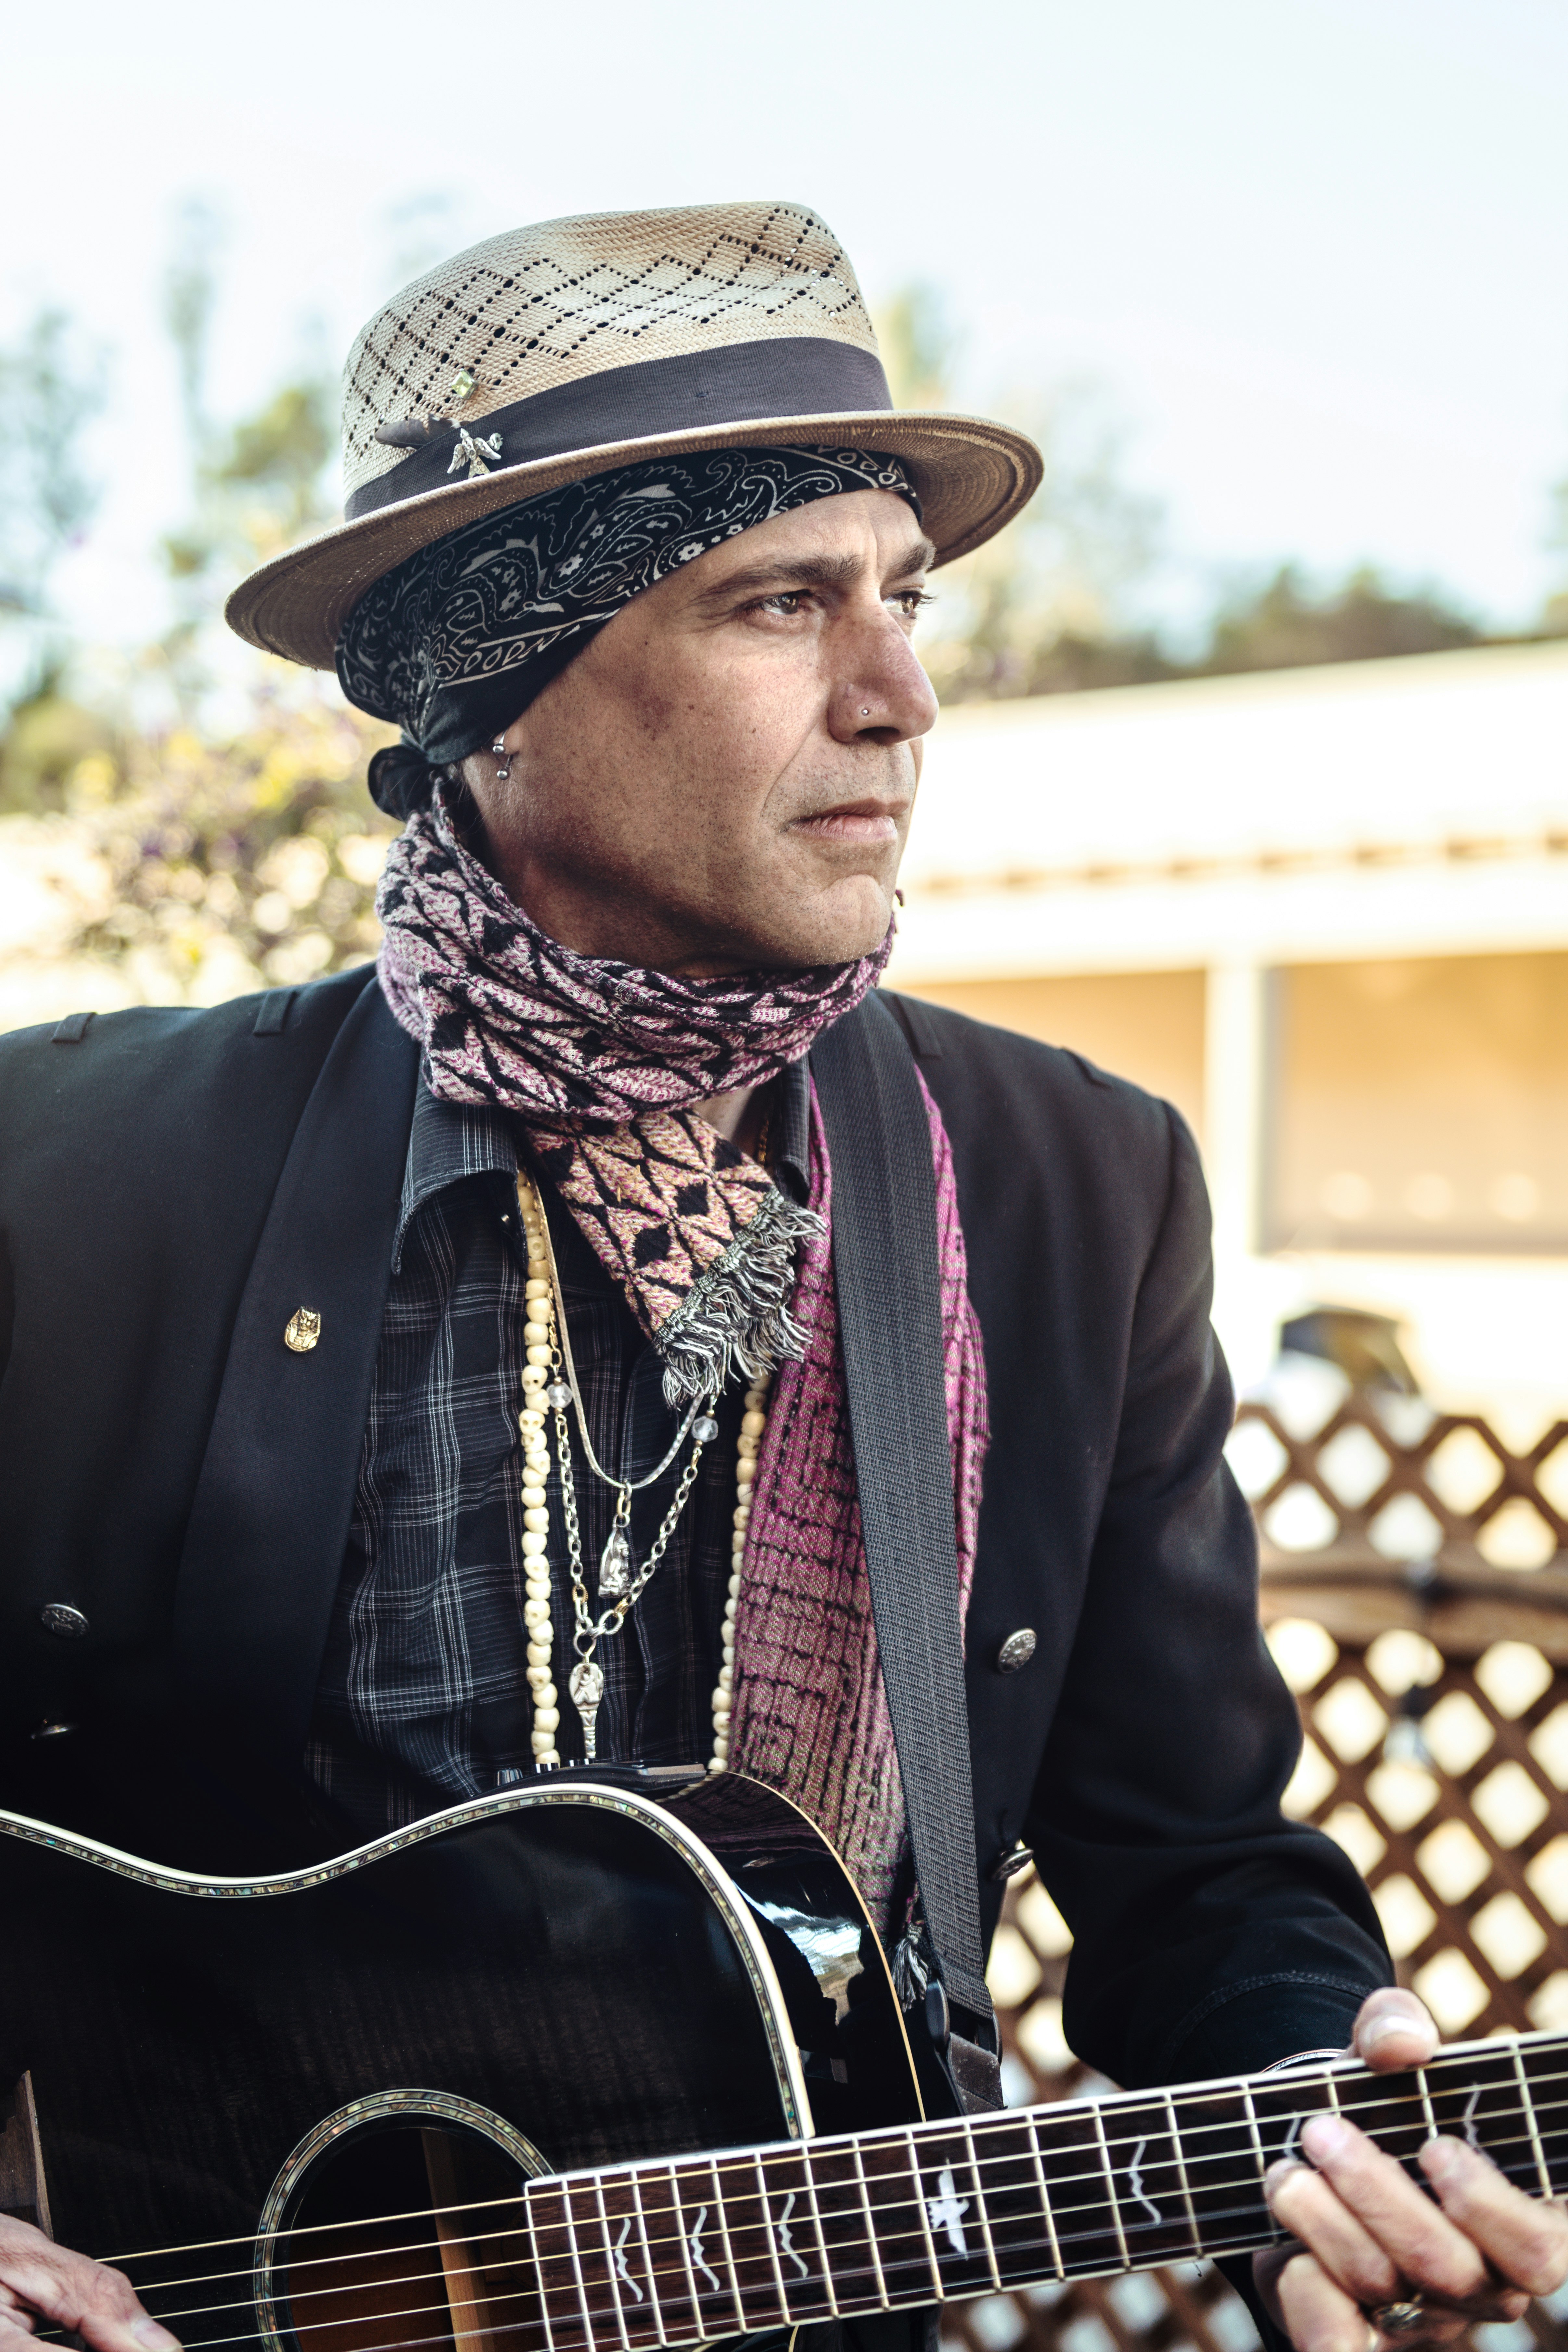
<point x="458" y="640"/>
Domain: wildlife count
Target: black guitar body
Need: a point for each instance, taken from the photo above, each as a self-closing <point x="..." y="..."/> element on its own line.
<point x="582" y="2068"/>
<point x="569" y="1973"/>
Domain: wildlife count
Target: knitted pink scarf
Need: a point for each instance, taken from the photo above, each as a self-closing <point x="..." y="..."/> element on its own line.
<point x="603" y="1061"/>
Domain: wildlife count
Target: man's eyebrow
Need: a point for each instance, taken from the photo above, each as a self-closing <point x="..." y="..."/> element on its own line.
<point x="812" y="571"/>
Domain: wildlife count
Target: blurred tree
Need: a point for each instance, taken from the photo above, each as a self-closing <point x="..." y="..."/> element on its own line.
<point x="181" y="869"/>
<point x="46" y="736"/>
<point x="256" y="485"/>
<point x="1282" y="626"/>
<point x="190" y="298"/>
<point x="1042" y="607"/>
<point x="273" y="468"/>
<point x="261" y="484"/>
<point x="52" y="386"/>
<point x="918" y="345"/>
<point x="1046" y="606"/>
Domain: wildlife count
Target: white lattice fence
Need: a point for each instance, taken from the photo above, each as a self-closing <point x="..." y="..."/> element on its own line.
<point x="1432" y="1683"/>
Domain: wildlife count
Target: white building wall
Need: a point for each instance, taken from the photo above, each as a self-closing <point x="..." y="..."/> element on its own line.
<point x="1375" y="810"/>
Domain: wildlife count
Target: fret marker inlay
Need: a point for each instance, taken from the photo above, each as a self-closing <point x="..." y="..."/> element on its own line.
<point x="784" y="2239"/>
<point x="621" y="2258"/>
<point x="1135" y="2183"/>
<point x="694" y="2240"/>
<point x="948" y="2210"/>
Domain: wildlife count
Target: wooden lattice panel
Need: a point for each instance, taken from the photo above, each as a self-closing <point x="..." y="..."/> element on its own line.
<point x="1433" y="1698"/>
<point x="1400" y="1514"/>
<point x="1443" y="1780"/>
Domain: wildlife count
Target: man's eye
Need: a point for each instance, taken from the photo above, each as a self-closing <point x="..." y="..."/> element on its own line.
<point x="910" y="600"/>
<point x="788" y="600"/>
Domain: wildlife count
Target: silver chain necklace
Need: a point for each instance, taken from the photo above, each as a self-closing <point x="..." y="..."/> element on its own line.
<point x="620" y="1582"/>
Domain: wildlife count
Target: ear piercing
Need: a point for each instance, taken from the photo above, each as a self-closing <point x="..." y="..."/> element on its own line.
<point x="500" y="753"/>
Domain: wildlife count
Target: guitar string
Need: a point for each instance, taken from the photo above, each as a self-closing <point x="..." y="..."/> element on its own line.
<point x="687" y="2335"/>
<point x="888" y="2244"/>
<point x="1007" y="2122"/>
<point x="887" y="2240"/>
<point x="889" y="2205"/>
<point x="1100" y="2202"/>
<point x="1099" y="2206"/>
<point x="846" y="2277"/>
<point x="1053" y="2113"/>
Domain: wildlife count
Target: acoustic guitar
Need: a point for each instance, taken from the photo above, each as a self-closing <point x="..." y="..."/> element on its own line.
<point x="593" y="2064"/>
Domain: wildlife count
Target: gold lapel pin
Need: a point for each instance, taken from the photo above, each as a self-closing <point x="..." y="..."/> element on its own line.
<point x="302" y="1331"/>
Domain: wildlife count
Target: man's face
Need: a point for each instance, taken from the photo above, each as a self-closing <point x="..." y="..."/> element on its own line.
<point x="724" y="779"/>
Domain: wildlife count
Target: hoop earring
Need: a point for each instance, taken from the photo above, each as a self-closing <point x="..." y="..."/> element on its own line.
<point x="502" y="757"/>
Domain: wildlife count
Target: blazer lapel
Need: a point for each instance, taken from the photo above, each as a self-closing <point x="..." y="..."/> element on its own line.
<point x="270" y="1519"/>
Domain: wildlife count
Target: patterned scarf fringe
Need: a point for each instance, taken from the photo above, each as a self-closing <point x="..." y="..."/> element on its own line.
<point x="737" y="1317"/>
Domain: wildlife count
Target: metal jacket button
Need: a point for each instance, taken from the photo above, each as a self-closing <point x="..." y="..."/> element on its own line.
<point x="1016" y="1650"/>
<point x="60" y="1618"/>
<point x="1012" y="1860"/>
<point x="50" y="1729"/>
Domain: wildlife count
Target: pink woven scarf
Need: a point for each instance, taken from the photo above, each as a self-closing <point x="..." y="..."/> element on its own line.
<point x="603" y="1062"/>
<point x="810" y="1714"/>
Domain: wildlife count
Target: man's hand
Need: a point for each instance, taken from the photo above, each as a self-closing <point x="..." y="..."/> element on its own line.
<point x="1369" y="2236"/>
<point x="40" y="2280"/>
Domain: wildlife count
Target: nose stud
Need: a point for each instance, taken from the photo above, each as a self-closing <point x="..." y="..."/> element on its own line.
<point x="865" y="710"/>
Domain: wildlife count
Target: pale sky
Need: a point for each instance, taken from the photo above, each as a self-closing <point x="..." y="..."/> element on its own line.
<point x="1312" y="248"/>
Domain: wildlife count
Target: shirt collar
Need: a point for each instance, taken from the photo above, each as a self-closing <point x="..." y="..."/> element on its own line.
<point x="448" y="1142"/>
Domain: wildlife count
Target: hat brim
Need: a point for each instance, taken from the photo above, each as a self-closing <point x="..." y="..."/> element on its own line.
<point x="973" y="476"/>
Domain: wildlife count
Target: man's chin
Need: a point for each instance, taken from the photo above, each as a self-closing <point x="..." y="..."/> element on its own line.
<point x="844" y="917"/>
<point x="799" y="930"/>
<point x="821" y="947"/>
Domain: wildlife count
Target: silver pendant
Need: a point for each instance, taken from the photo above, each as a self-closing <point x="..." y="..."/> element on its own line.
<point x="588" y="1688"/>
<point x="616" y="1565"/>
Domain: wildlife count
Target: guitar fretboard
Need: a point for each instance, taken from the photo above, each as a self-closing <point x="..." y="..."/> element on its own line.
<point x="698" y="2247"/>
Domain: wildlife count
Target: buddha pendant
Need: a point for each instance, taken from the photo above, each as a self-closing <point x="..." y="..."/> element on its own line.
<point x="615" y="1565"/>
<point x="588" y="1688"/>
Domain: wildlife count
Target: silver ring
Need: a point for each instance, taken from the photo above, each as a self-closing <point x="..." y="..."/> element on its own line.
<point x="1399" y="2318"/>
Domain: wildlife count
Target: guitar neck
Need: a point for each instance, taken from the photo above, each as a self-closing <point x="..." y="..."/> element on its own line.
<point x="699" y="2247"/>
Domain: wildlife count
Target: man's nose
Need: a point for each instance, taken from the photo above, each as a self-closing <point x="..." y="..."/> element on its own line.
<point x="882" y="691"/>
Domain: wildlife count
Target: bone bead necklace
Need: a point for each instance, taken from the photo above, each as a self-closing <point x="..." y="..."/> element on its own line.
<point x="546" y="1396"/>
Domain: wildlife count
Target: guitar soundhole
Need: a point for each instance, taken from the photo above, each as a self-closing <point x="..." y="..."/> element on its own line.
<point x="401" y="2233"/>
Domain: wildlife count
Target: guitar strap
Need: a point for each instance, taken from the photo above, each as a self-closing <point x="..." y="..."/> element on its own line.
<point x="886" y="1274"/>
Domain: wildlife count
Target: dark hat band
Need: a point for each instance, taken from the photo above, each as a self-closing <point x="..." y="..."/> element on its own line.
<point x="800" y="375"/>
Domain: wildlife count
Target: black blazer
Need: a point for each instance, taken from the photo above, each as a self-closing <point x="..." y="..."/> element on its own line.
<point x="174" y="1184"/>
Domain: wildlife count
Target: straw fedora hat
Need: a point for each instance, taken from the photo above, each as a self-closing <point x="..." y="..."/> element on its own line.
<point x="562" y="350"/>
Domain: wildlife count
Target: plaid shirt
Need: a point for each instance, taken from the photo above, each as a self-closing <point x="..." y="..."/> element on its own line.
<point x="422" y="1700"/>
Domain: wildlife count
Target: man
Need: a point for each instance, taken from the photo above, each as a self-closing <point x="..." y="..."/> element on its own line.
<point x="354" y="1332"/>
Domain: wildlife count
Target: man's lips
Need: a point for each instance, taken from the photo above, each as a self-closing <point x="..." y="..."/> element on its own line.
<point x="857" y="821"/>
